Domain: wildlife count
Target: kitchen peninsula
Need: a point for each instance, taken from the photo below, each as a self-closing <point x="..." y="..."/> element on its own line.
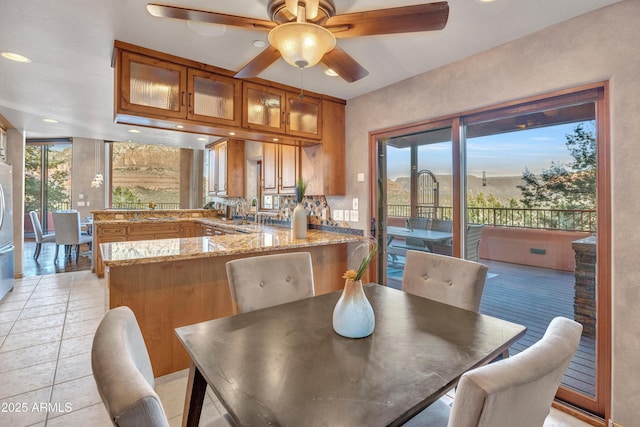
<point x="175" y="282"/>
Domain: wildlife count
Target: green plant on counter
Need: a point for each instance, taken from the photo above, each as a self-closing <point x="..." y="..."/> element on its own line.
<point x="301" y="189"/>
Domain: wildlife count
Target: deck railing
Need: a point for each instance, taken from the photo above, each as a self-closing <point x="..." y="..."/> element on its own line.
<point x="548" y="219"/>
<point x="144" y="205"/>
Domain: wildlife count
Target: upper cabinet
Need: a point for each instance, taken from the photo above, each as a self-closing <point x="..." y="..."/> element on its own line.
<point x="280" y="168"/>
<point x="151" y="86"/>
<point x="278" y="111"/>
<point x="226" y="168"/>
<point x="163" y="89"/>
<point x="214" y="98"/>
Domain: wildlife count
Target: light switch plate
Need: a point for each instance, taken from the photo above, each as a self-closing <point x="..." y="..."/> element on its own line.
<point x="355" y="203"/>
<point x="353" y="216"/>
<point x="360" y="176"/>
<point x="337" y="215"/>
<point x="80" y="203"/>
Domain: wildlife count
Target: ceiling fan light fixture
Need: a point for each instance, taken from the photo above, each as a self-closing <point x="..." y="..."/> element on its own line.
<point x="302" y="44"/>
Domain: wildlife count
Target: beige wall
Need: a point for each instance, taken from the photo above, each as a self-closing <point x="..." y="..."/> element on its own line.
<point x="83" y="170"/>
<point x="602" y="45"/>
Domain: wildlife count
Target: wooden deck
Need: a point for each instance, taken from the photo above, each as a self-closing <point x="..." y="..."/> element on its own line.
<point x="531" y="296"/>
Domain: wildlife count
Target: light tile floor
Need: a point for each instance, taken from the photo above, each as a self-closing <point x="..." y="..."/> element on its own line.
<point x="46" y="330"/>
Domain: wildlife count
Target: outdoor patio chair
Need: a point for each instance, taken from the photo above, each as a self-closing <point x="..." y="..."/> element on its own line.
<point x="417" y="223"/>
<point x="268" y="280"/>
<point x="513" y="392"/>
<point x="474" y="232"/>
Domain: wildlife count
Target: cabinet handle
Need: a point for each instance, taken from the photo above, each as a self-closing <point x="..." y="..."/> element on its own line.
<point x="191" y="102"/>
<point x="284" y="119"/>
<point x="183" y="98"/>
<point x="288" y="118"/>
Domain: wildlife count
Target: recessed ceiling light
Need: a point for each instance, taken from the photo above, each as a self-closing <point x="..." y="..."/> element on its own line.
<point x="202" y="139"/>
<point x="232" y="133"/>
<point x="485" y="1"/>
<point x="275" y="139"/>
<point x="179" y="127"/>
<point x="134" y="131"/>
<point x="15" y="57"/>
<point x="49" y="120"/>
<point x="259" y="43"/>
<point x="330" y="72"/>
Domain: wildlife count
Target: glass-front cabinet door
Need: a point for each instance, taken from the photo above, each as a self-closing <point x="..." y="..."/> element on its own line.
<point x="214" y="98"/>
<point x="264" y="108"/>
<point x="150" y="86"/>
<point x="303" y="116"/>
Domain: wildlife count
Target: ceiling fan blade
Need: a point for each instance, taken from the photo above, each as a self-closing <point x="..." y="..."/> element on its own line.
<point x="343" y="64"/>
<point x="407" y="19"/>
<point x="164" y="11"/>
<point x="259" y="63"/>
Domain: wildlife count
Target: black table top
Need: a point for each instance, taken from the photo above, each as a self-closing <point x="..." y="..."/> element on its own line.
<point x="285" y="366"/>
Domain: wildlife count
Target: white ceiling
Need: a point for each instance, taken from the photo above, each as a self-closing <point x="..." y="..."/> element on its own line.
<point x="70" y="43"/>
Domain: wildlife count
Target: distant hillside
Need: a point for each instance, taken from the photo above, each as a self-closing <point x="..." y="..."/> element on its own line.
<point x="504" y="188"/>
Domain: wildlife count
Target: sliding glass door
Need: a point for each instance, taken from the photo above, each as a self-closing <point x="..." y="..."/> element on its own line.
<point x="47" y="180"/>
<point x="522" y="188"/>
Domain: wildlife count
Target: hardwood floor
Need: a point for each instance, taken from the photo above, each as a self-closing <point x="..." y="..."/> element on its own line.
<point x="530" y="296"/>
<point x="45" y="263"/>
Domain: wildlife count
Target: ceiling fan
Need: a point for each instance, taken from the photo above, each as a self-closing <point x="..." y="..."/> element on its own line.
<point x="304" y="32"/>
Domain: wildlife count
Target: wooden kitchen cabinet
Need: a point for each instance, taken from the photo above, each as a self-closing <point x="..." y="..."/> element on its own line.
<point x="279" y="111"/>
<point x="163" y="89"/>
<point x="226" y="168"/>
<point x="153" y="231"/>
<point x="323" y="165"/>
<point x="280" y="168"/>
<point x="105" y="233"/>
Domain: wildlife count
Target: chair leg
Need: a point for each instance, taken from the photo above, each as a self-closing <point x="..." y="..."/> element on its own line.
<point x="77" y="252"/>
<point x="55" y="258"/>
<point x="36" y="253"/>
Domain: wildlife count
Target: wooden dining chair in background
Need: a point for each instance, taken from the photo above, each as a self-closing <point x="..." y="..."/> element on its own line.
<point x="268" y="280"/>
<point x="445" y="279"/>
<point x="517" y="391"/>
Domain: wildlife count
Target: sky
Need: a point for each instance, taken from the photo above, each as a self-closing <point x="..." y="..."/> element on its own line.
<point x="506" y="154"/>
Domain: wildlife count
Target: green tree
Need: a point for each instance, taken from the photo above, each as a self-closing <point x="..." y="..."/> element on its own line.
<point x="58" y="162"/>
<point x="565" y="186"/>
<point x="122" y="196"/>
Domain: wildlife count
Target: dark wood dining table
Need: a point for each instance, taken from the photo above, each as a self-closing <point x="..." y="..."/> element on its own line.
<point x="285" y="366"/>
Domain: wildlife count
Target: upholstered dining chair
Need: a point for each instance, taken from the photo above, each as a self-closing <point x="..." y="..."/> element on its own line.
<point x="41" y="238"/>
<point x="268" y="280"/>
<point x="445" y="279"/>
<point x="122" y="371"/>
<point x="517" y="391"/>
<point x="68" y="233"/>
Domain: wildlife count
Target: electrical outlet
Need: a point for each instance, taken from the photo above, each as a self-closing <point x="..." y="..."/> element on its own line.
<point x="353" y="215"/>
<point x="355" y="204"/>
<point x="80" y="203"/>
<point x="338" y="215"/>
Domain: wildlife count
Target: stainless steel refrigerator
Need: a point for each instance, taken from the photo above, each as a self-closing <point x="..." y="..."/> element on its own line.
<point x="6" y="229"/>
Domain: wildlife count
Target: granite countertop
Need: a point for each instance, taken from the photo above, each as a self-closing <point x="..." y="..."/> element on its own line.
<point x="247" y="238"/>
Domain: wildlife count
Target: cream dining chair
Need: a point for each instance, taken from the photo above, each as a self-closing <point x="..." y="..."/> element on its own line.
<point x="124" y="377"/>
<point x="68" y="233"/>
<point x="444" y="279"/>
<point x="517" y="391"/>
<point x="264" y="281"/>
<point x="41" y="238"/>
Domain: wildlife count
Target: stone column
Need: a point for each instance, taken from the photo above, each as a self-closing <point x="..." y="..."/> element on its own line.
<point x="584" y="302"/>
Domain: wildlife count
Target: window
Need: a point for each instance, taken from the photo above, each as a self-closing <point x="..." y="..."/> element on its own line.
<point x="144" y="174"/>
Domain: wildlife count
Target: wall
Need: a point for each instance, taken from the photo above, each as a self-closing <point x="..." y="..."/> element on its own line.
<point x="15" y="157"/>
<point x="83" y="170"/>
<point x="602" y="45"/>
